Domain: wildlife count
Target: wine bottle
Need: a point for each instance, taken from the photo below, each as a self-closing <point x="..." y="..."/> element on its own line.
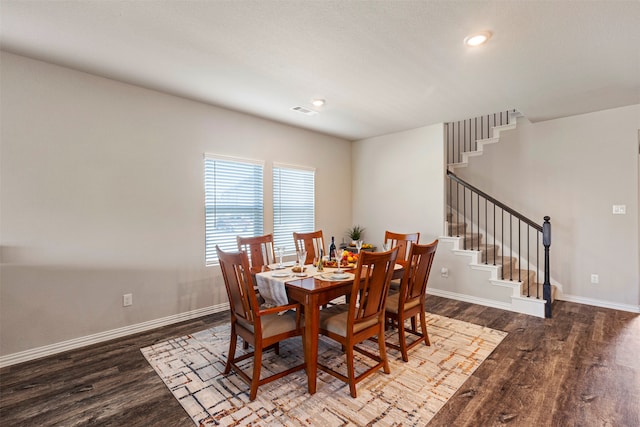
<point x="320" y="266"/>
<point x="332" y="249"/>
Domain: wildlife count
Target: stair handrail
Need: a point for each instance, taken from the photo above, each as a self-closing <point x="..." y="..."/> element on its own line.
<point x="495" y="201"/>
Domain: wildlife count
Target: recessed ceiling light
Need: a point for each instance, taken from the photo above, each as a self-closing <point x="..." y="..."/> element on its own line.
<point x="477" y="39"/>
<point x="317" y="102"/>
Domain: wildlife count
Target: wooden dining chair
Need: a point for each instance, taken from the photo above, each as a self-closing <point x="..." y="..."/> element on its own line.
<point x="403" y="242"/>
<point x="409" y="303"/>
<point x="259" y="249"/>
<point x="263" y="329"/>
<point x="311" y="242"/>
<point x="363" y="317"/>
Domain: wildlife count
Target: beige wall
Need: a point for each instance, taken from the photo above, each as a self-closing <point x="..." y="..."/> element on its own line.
<point x="102" y="194"/>
<point x="398" y="183"/>
<point x="574" y="170"/>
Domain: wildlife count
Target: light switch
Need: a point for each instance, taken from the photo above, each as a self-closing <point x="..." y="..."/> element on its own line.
<point x="619" y="209"/>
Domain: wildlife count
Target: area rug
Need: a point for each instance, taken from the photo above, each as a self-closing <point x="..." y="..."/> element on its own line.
<point x="192" y="366"/>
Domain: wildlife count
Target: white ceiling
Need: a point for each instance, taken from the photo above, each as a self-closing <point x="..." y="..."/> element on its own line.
<point x="382" y="66"/>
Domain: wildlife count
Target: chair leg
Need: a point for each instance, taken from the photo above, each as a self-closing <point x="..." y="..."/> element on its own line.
<point x="383" y="351"/>
<point x="257" y="366"/>
<point x="232" y="349"/>
<point x="245" y="344"/>
<point x="351" y="373"/>
<point x="277" y="348"/>
<point x="402" y="338"/>
<point x="423" y="321"/>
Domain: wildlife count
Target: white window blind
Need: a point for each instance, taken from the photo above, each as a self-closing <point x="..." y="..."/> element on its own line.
<point x="293" y="204"/>
<point x="233" y="203"/>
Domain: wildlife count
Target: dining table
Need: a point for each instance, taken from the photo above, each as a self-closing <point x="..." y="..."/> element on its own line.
<point x="312" y="289"/>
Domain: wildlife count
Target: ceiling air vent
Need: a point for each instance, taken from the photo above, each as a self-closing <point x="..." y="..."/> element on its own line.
<point x="305" y="111"/>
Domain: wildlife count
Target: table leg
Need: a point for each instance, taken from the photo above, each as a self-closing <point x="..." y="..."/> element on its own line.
<point x="311" y="323"/>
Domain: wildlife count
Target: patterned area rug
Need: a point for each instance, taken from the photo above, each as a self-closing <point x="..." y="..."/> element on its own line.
<point x="192" y="366"/>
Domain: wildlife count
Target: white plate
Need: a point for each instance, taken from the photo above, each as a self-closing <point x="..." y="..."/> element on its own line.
<point x="280" y="274"/>
<point x="339" y="276"/>
<point x="300" y="274"/>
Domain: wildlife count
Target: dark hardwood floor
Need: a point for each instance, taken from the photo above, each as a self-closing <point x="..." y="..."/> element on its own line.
<point x="580" y="368"/>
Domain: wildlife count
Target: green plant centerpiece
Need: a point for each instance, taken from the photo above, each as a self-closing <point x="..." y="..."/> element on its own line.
<point x="355" y="233"/>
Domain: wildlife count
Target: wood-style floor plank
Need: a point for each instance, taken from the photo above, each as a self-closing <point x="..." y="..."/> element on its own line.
<point x="580" y="368"/>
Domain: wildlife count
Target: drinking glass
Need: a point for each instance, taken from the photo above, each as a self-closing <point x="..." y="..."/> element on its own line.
<point x="338" y="260"/>
<point x="280" y="253"/>
<point x="302" y="257"/>
<point x="385" y="247"/>
<point x="359" y="245"/>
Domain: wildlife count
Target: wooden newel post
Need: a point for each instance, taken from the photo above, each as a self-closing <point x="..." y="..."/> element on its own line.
<point x="546" y="287"/>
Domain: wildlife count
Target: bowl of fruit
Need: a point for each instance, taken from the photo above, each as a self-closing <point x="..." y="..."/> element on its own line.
<point x="368" y="247"/>
<point x="349" y="259"/>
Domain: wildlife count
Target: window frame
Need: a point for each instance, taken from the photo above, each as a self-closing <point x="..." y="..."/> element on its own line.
<point x="235" y="201"/>
<point x="283" y="234"/>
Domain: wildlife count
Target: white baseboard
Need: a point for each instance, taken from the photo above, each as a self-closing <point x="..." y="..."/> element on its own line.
<point x="469" y="298"/>
<point x="523" y="305"/>
<point x="599" y="303"/>
<point x="48" y="350"/>
<point x="563" y="297"/>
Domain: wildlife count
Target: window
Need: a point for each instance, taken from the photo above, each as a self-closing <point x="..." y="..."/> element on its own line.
<point x="293" y="203"/>
<point x="233" y="202"/>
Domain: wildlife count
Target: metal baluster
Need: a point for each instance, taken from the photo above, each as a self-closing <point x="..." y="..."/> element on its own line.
<point x="494" y="234"/>
<point x="519" y="252"/>
<point x="464" y="135"/>
<point x="458" y="206"/>
<point x="475" y="132"/>
<point x="537" y="263"/>
<point x="471" y="201"/>
<point x="478" y="208"/>
<point x="528" y="262"/>
<point x="510" y="247"/>
<point x="464" y="216"/>
<point x="450" y="216"/>
<point x="502" y="243"/>
<point x="459" y="152"/>
<point x="486" y="230"/>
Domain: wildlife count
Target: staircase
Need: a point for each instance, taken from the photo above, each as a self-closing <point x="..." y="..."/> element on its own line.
<point x="490" y="234"/>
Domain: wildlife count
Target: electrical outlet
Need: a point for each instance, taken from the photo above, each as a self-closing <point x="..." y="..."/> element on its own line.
<point x="619" y="209"/>
<point x="444" y="272"/>
<point x="595" y="278"/>
<point x="127" y="300"/>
